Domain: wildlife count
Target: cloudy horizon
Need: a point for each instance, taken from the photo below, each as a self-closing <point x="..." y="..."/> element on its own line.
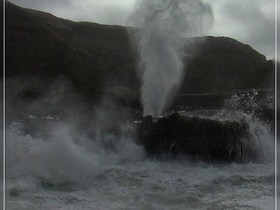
<point x="249" y="22"/>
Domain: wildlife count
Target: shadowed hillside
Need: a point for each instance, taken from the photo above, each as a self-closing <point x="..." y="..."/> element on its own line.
<point x="97" y="58"/>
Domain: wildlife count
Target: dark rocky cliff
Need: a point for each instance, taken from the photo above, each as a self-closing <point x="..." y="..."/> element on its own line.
<point x="98" y="58"/>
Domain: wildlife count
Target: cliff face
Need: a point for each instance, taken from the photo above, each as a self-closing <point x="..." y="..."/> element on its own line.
<point x="96" y="58"/>
<point x="224" y="64"/>
<point x="89" y="55"/>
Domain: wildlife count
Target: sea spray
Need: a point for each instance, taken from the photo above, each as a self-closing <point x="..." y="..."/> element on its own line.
<point x="162" y="26"/>
<point x="75" y="150"/>
<point x="253" y="110"/>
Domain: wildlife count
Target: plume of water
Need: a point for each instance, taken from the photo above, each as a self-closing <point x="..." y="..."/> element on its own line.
<point x="162" y="26"/>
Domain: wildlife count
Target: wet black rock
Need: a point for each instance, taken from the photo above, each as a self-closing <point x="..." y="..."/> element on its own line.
<point x="197" y="138"/>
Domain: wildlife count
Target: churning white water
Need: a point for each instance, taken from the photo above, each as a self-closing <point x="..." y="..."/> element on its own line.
<point x="152" y="185"/>
<point x="63" y="170"/>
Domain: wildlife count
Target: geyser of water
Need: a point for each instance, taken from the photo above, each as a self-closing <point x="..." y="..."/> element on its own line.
<point x="162" y="26"/>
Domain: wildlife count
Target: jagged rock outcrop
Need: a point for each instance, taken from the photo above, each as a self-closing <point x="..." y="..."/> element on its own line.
<point x="197" y="138"/>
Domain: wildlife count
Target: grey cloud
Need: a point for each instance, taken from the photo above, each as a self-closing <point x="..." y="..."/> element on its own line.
<point x="248" y="21"/>
<point x="106" y="12"/>
<point x="42" y="4"/>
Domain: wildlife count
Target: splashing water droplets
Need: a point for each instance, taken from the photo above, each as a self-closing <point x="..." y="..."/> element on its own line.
<point x="163" y="25"/>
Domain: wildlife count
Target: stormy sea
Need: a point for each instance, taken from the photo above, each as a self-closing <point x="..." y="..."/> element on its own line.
<point x="155" y="115"/>
<point x="56" y="162"/>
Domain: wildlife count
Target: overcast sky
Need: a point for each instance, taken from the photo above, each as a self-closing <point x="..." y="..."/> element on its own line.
<point x="249" y="21"/>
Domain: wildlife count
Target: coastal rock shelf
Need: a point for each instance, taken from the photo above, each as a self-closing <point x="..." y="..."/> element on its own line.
<point x="197" y="138"/>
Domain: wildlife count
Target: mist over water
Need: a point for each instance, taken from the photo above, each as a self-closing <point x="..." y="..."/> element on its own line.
<point x="162" y="26"/>
<point x="74" y="150"/>
<point x="89" y="159"/>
